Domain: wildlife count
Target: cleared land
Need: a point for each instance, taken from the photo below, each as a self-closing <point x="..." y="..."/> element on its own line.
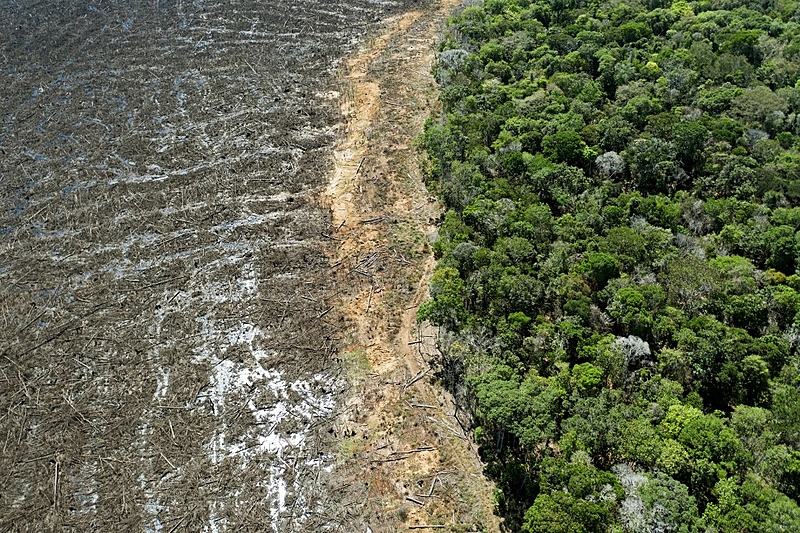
<point x="406" y="458"/>
<point x="168" y="348"/>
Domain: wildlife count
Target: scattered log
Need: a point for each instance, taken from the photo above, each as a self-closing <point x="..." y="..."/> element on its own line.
<point x="450" y="429"/>
<point x="374" y="220"/>
<point x="359" y="166"/>
<point x="416" y="450"/>
<point x="402" y="455"/>
<point x="55" y="483"/>
<point x="325" y="312"/>
<point x="419" y="375"/>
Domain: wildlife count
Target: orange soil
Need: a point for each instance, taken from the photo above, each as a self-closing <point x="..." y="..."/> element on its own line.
<point x="402" y="450"/>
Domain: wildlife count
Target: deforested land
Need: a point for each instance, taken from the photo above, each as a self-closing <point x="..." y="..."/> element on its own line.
<point x="169" y="346"/>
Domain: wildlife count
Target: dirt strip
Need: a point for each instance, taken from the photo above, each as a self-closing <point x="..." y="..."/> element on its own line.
<point x="404" y="457"/>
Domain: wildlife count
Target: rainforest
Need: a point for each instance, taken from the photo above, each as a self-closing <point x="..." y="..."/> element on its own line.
<point x="617" y="291"/>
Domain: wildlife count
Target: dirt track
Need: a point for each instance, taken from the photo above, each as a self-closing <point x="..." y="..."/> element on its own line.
<point x="407" y="461"/>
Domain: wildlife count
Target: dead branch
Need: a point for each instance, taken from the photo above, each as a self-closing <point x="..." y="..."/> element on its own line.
<point x="373" y="220"/>
<point x="415" y="450"/>
<point x="419" y="375"/>
<point x="422" y="406"/>
<point x="325" y="312"/>
<point x="359" y="166"/>
<point x="446" y="426"/>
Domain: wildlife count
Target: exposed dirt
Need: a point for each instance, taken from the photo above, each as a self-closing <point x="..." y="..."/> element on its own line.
<point x="407" y="458"/>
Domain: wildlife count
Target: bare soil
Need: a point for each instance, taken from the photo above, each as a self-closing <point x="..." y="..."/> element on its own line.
<point x="409" y="461"/>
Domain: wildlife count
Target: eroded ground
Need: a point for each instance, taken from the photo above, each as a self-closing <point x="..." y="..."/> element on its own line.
<point x="407" y="460"/>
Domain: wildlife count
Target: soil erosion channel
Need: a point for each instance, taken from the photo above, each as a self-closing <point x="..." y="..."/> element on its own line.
<point x="404" y="456"/>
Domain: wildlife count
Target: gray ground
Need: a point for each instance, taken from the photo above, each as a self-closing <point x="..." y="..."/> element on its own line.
<point x="167" y="361"/>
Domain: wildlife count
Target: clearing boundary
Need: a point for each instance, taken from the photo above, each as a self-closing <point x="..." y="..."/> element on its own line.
<point x="407" y="462"/>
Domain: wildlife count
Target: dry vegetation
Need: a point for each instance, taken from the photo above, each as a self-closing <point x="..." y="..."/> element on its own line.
<point x="166" y="357"/>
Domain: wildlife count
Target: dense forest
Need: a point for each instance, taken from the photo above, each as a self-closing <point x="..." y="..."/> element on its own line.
<point x="617" y="284"/>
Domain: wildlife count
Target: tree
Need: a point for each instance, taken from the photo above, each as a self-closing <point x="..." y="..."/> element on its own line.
<point x="609" y="165"/>
<point x="781" y="248"/>
<point x="667" y="506"/>
<point x="652" y="165"/>
<point x="786" y="406"/>
<point x="640" y="443"/>
<point x="691" y="283"/>
<point x="747" y="311"/>
<point x="626" y="245"/>
<point x="599" y="268"/>
<point x="689" y="139"/>
<point x="631" y="32"/>
<point x="574" y="497"/>
<point x="615" y="133"/>
<point x="639" y="108"/>
<point x="629" y="309"/>
<point x="565" y="147"/>
<point x="752" y="427"/>
<point x="784" y="305"/>
<point x="744" y="43"/>
<point x="754" y="386"/>
<point x="488" y="216"/>
<point x="559" y="186"/>
<point x="446" y="306"/>
<point x="754" y="105"/>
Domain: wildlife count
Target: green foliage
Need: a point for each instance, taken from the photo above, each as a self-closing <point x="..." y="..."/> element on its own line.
<point x="446" y="308"/>
<point x="574" y="497"/>
<point x="629" y="308"/>
<point x="617" y="264"/>
<point x="599" y="268"/>
<point x="564" y="147"/>
<point x="668" y="507"/>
